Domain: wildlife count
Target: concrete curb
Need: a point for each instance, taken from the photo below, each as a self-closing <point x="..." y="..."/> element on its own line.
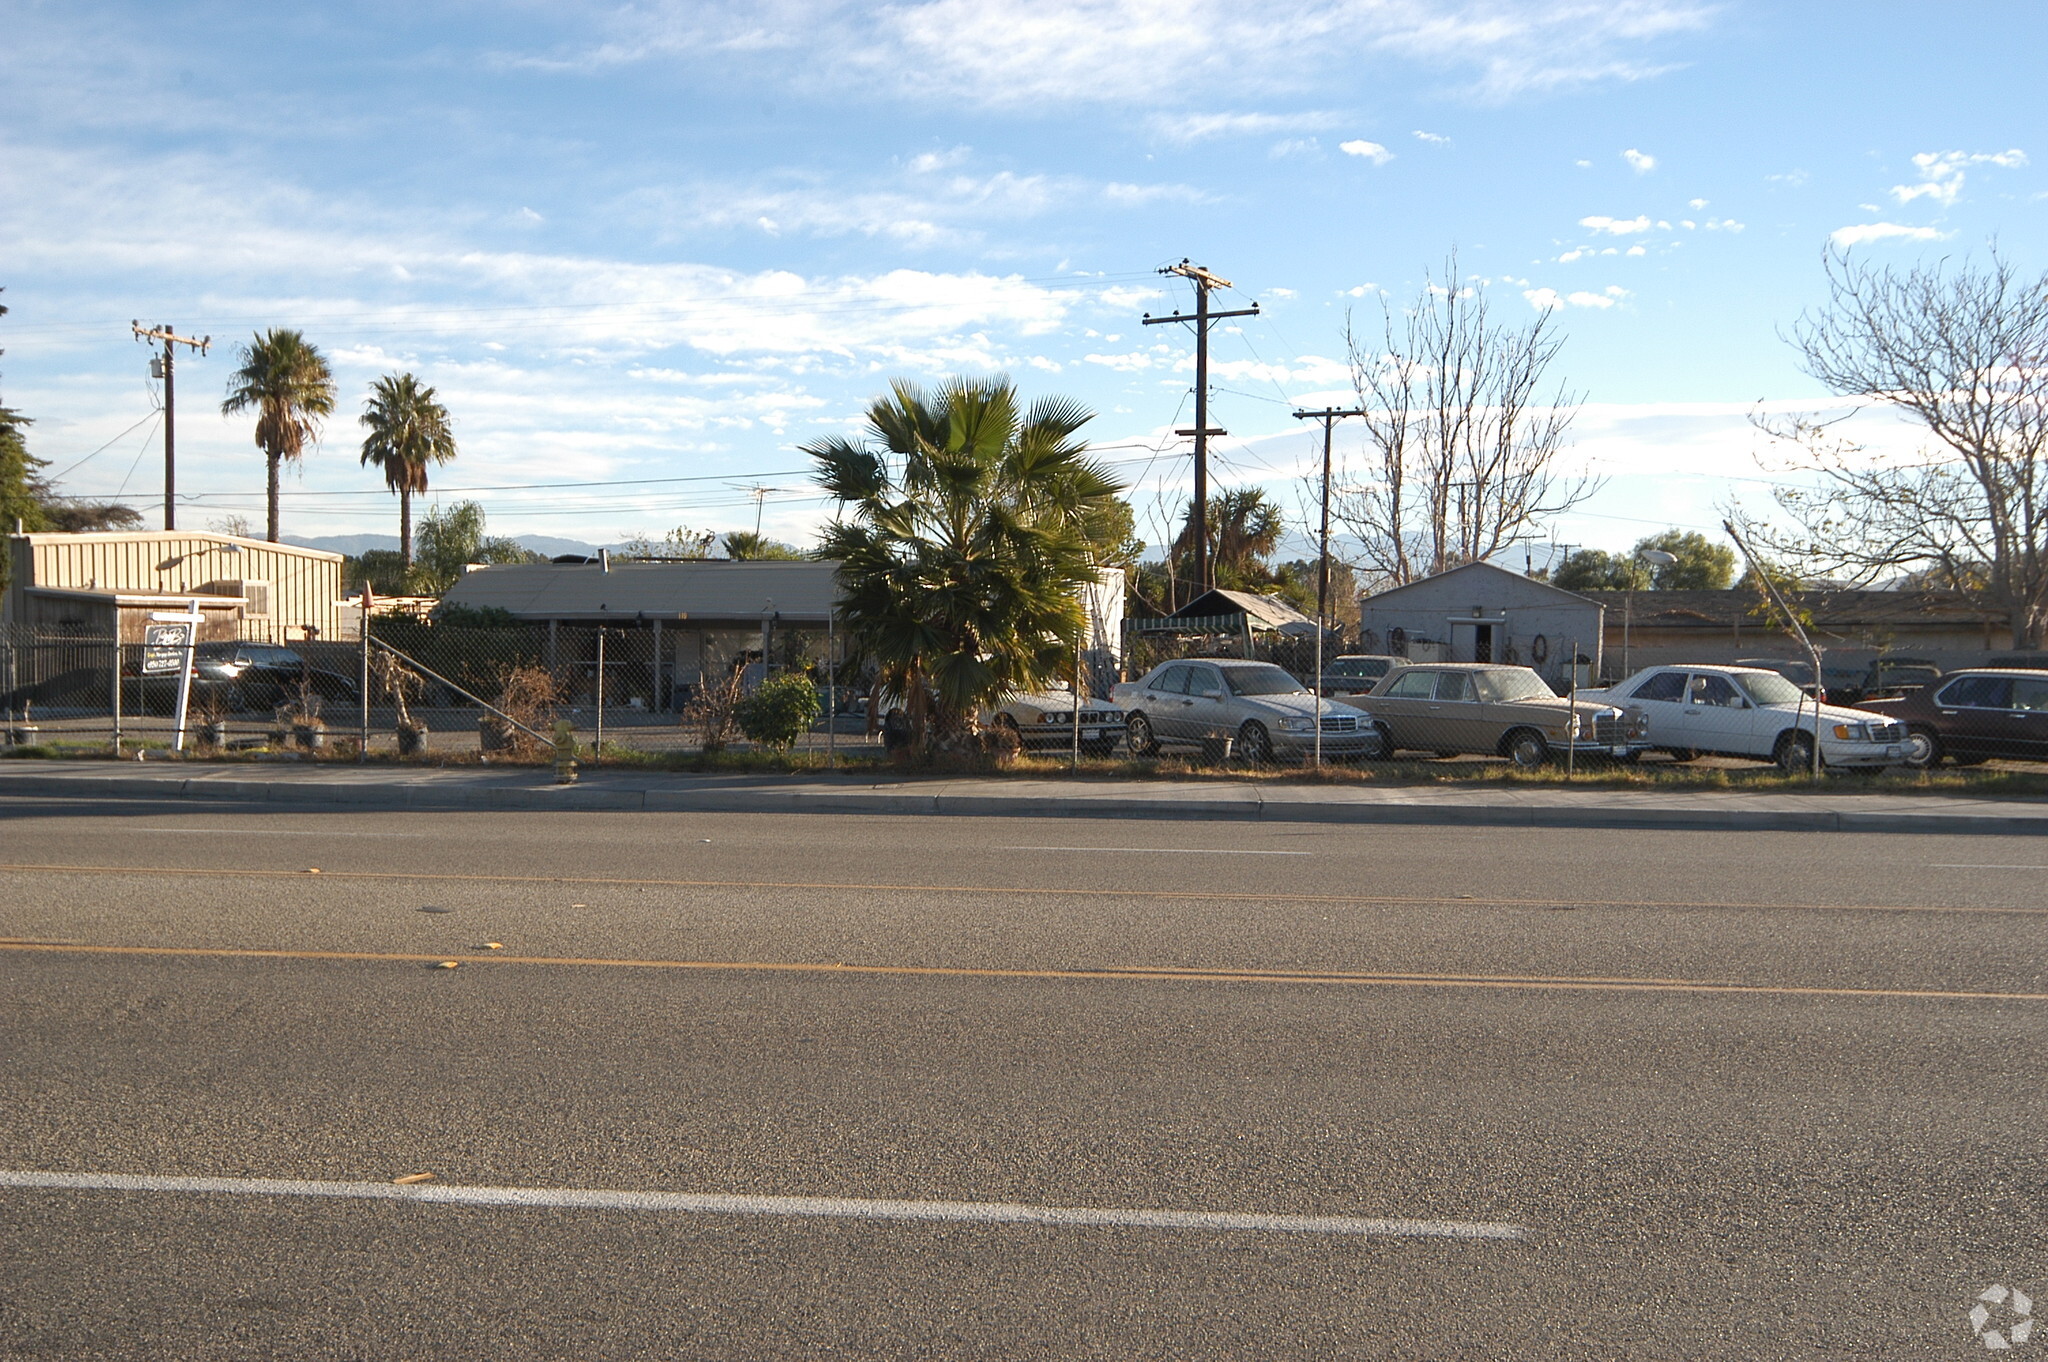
<point x="1475" y="810"/>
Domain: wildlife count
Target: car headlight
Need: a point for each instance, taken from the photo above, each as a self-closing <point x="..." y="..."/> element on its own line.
<point x="1853" y="732"/>
<point x="1297" y="726"/>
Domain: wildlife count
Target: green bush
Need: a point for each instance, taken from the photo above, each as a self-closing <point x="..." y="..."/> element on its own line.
<point x="780" y="711"/>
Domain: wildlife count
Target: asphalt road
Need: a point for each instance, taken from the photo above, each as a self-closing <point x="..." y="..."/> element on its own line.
<point x="1741" y="1095"/>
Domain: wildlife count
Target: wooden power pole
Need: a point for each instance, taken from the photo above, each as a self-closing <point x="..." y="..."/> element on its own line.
<point x="1203" y="281"/>
<point x="1329" y="416"/>
<point x="164" y="366"/>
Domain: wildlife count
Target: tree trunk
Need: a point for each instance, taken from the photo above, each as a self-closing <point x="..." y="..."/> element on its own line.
<point x="272" y="460"/>
<point x="405" y="526"/>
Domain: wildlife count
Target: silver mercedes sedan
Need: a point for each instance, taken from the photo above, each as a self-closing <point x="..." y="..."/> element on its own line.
<point x="1254" y="708"/>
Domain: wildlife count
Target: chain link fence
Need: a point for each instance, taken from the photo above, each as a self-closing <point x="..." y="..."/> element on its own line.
<point x="1210" y="692"/>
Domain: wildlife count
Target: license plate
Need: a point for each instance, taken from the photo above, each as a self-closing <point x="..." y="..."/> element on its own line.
<point x="1891" y="750"/>
<point x="1091" y="733"/>
<point x="1617" y="751"/>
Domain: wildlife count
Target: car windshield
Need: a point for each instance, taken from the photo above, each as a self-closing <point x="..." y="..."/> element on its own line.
<point x="1518" y="683"/>
<point x="1769" y="688"/>
<point x="1260" y="681"/>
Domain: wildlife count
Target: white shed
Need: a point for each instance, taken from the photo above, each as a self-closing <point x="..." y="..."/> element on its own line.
<point x="1483" y="613"/>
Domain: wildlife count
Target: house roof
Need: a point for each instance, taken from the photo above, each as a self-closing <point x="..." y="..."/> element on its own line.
<point x="1489" y="573"/>
<point x="1265" y="612"/>
<point x="710" y="590"/>
<point x="173" y="536"/>
<point x="1828" y="609"/>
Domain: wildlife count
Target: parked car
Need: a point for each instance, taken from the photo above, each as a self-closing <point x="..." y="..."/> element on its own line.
<point x="1895" y="676"/>
<point x="1357" y="673"/>
<point x="1750" y="712"/>
<point x="1267" y="713"/>
<point x="1454" y="707"/>
<point x="1045" y="719"/>
<point x="245" y="676"/>
<point x="1972" y="716"/>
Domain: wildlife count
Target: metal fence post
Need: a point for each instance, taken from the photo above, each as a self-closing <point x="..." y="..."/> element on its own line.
<point x="116" y="688"/>
<point x="1571" y="727"/>
<point x="363" y="736"/>
<point x="597" y="752"/>
<point x="831" y="694"/>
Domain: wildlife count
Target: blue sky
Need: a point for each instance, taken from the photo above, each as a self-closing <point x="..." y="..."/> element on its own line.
<point x="673" y="242"/>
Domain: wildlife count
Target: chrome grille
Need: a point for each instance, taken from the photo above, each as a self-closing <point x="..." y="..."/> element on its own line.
<point x="1893" y="732"/>
<point x="1339" y="723"/>
<point x="1608" y="728"/>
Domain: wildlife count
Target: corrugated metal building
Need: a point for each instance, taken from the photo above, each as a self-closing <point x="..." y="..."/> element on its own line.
<point x="247" y="588"/>
<point x="1483" y="613"/>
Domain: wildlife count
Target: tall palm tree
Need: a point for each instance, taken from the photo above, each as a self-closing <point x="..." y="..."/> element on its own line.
<point x="285" y="379"/>
<point x="963" y="536"/>
<point x="408" y="431"/>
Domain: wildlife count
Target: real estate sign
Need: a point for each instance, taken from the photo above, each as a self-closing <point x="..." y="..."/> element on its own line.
<point x="165" y="647"/>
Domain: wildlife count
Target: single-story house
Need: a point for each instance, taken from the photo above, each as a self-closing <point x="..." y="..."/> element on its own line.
<point x="687" y="616"/>
<point x="1656" y="628"/>
<point x="1483" y="613"/>
<point x="96" y="584"/>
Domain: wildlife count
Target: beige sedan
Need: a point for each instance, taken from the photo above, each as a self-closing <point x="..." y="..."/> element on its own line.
<point x="1511" y="712"/>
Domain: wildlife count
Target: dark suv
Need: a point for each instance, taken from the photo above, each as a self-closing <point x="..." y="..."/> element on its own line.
<point x="1973" y="716"/>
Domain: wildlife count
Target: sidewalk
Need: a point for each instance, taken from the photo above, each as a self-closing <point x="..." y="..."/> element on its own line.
<point x="385" y="787"/>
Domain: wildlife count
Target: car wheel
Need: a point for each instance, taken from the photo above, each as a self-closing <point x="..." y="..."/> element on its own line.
<point x="1525" y="748"/>
<point x="1794" y="753"/>
<point x="1386" y="748"/>
<point x="1255" y="744"/>
<point x="1138" y="733"/>
<point x="1923" y="749"/>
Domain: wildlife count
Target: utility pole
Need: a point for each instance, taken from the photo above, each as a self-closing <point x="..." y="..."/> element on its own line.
<point x="1329" y="416"/>
<point x="164" y="366"/>
<point x="1203" y="281"/>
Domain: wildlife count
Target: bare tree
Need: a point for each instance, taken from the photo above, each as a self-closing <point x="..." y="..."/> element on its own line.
<point x="1965" y="353"/>
<point x="1460" y="443"/>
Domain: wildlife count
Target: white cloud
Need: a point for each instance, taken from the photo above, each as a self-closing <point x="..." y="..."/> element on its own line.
<point x="1576" y="253"/>
<point x="1696" y="203"/>
<point x="1583" y="165"/>
<point x="1616" y="226"/>
<point x="1941" y="173"/>
<point x="1434" y="139"/>
<point x="1371" y="151"/>
<point x="1361" y="290"/>
<point x="1025" y="53"/>
<point x="1594" y="300"/>
<point x="1549" y="299"/>
<point x="927" y="162"/>
<point x="1794" y="179"/>
<point x="1881" y="231"/>
<point x="1642" y="163"/>
<point x="1200" y="127"/>
<point x="1544" y="299"/>
<point x="1723" y="225"/>
<point x="1635" y="250"/>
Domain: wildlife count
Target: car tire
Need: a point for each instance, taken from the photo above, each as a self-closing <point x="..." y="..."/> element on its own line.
<point x="1255" y="744"/>
<point x="1526" y="748"/>
<point x="1794" y="753"/>
<point x="1139" y="735"/>
<point x="1923" y="749"/>
<point x="1386" y="752"/>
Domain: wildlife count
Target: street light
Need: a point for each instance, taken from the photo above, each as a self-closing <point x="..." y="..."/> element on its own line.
<point x="1656" y="558"/>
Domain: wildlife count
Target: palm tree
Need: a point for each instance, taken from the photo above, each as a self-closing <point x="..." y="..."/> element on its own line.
<point x="962" y="539"/>
<point x="408" y="430"/>
<point x="1244" y="532"/>
<point x="286" y="379"/>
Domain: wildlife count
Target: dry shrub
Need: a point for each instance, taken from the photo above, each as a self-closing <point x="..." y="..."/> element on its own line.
<point x="714" y="711"/>
<point x="528" y="694"/>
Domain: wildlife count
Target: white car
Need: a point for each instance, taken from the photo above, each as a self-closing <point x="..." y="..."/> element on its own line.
<point x="1750" y="712"/>
<point x="1045" y="719"/>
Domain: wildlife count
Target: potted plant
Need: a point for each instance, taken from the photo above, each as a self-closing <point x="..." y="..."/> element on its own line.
<point x="25" y="733"/>
<point x="405" y="684"/>
<point x="299" y="722"/>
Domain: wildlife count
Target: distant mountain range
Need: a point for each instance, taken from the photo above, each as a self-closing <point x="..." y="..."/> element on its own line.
<point x="355" y="545"/>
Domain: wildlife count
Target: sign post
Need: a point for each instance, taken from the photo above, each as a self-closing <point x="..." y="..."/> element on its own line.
<point x="168" y="645"/>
